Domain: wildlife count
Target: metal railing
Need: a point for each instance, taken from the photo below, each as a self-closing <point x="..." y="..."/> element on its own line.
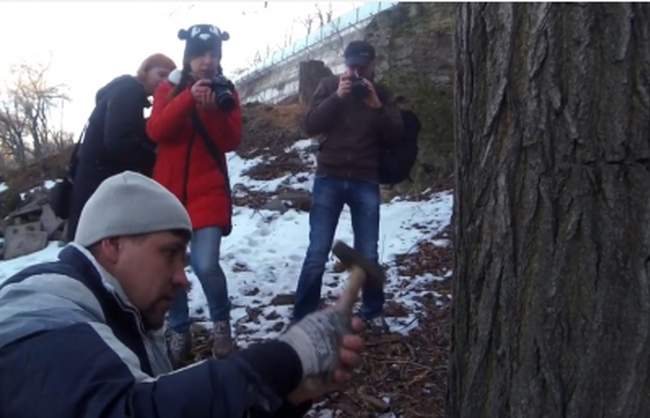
<point x="340" y="24"/>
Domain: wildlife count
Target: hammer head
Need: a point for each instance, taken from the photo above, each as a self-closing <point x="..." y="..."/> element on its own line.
<point x="351" y="257"/>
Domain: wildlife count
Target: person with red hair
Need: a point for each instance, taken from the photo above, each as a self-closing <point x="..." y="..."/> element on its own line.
<point x="115" y="138"/>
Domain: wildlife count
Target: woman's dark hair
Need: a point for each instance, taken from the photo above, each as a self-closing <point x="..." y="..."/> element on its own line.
<point x="184" y="81"/>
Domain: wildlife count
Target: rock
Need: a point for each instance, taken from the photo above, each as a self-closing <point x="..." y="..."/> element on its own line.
<point x="283" y="299"/>
<point x="310" y="74"/>
<point x="289" y="199"/>
<point x="250" y="291"/>
<point x="253" y="313"/>
<point x="296" y="199"/>
<point x="277" y="327"/>
<point x="275" y="204"/>
<point x="32" y="208"/>
<point x="50" y="222"/>
<point x="272" y="316"/>
<point x="24" y="239"/>
<point x="378" y="404"/>
<point x="239" y="267"/>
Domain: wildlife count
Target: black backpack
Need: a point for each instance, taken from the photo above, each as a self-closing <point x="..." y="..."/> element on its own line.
<point x="396" y="160"/>
<point x="60" y="196"/>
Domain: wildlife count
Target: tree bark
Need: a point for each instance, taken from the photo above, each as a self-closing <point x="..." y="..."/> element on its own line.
<point x="551" y="313"/>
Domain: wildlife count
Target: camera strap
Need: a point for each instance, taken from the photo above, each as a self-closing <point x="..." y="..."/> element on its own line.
<point x="212" y="147"/>
<point x="217" y="156"/>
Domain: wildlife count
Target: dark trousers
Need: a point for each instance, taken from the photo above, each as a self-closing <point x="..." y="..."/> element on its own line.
<point x="328" y="197"/>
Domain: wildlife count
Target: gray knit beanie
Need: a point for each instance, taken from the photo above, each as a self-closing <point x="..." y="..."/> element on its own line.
<point x="129" y="204"/>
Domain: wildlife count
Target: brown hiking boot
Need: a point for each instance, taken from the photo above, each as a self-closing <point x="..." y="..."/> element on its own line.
<point x="222" y="343"/>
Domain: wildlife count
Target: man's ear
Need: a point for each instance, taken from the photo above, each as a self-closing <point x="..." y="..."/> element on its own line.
<point x="109" y="249"/>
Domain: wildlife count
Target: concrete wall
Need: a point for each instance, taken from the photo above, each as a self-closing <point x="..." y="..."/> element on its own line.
<point x="415" y="59"/>
<point x="279" y="81"/>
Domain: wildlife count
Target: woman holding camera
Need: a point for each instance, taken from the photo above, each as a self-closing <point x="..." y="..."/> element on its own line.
<point x="195" y="120"/>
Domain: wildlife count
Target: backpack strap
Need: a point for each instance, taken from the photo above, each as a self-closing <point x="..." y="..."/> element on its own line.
<point x="74" y="160"/>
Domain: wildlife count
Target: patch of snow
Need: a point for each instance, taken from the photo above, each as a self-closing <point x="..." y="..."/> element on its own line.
<point x="298" y="181"/>
<point x="10" y="267"/>
<point x="272" y="247"/>
<point x="303" y="144"/>
<point x="263" y="256"/>
<point x="3" y="187"/>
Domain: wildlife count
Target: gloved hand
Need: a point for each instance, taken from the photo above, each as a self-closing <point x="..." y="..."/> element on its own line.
<point x="316" y="340"/>
<point x="328" y="349"/>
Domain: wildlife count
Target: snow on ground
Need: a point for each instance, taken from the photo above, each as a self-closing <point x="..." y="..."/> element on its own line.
<point x="47" y="185"/>
<point x="10" y="267"/>
<point x="263" y="255"/>
<point x="3" y="187"/>
<point x="237" y="166"/>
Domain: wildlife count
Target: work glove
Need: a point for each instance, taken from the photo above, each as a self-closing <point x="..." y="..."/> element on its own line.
<point x="316" y="339"/>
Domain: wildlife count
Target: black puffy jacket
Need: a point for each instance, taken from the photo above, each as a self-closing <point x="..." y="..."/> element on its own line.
<point x="115" y="141"/>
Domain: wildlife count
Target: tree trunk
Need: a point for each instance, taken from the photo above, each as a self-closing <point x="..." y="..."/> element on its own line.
<point x="552" y="218"/>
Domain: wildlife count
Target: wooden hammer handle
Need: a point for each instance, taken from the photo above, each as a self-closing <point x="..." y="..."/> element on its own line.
<point x="350" y="294"/>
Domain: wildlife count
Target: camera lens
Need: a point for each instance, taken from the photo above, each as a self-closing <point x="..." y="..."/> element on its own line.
<point x="359" y="89"/>
<point x="224" y="99"/>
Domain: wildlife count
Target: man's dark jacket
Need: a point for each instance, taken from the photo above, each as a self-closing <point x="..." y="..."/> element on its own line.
<point x="351" y="132"/>
<point x="115" y="141"/>
<point x="72" y="345"/>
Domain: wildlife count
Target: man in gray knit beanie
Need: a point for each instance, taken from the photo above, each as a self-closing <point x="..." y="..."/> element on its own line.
<point x="130" y="204"/>
<point x="88" y="326"/>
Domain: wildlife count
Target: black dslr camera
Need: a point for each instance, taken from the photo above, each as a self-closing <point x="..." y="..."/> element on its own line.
<point x="223" y="92"/>
<point x="358" y="88"/>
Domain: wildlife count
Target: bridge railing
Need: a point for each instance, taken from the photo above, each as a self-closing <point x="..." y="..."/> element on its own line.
<point x="337" y="25"/>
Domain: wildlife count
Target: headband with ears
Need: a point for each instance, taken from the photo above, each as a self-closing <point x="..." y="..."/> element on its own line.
<point x="183" y="34"/>
<point x="199" y="30"/>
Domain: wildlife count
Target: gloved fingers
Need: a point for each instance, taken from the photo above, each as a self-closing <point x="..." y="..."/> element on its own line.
<point x="341" y="376"/>
<point x="350" y="350"/>
<point x="348" y="360"/>
<point x="357" y="324"/>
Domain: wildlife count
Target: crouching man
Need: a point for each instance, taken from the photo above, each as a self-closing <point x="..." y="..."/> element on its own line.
<point x="80" y="337"/>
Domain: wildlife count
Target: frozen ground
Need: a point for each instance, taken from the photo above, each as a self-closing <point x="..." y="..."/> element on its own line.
<point x="263" y="255"/>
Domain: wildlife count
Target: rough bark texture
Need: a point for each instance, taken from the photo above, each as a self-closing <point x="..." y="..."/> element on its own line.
<point x="552" y="216"/>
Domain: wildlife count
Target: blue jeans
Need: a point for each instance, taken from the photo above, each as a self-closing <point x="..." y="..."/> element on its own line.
<point x="204" y="257"/>
<point x="328" y="197"/>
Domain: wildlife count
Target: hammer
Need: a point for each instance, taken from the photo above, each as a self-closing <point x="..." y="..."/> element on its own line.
<point x="361" y="269"/>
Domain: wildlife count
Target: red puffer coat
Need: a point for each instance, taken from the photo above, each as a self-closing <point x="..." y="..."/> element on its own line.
<point x="170" y="126"/>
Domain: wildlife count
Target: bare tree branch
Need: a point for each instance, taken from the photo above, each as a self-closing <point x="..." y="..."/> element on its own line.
<point x="25" y="111"/>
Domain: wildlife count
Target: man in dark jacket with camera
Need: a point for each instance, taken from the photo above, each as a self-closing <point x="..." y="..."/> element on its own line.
<point x="354" y="118"/>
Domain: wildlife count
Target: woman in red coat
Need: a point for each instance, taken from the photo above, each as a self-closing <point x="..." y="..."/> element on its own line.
<point x="197" y="175"/>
